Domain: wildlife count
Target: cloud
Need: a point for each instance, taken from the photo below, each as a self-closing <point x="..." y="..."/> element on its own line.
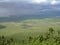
<point x="10" y="7"/>
<point x="4" y="0"/>
<point x="4" y="12"/>
<point x="34" y="1"/>
<point x="53" y="2"/>
<point x="39" y="1"/>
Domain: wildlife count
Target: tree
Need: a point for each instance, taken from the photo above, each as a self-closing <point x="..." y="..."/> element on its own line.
<point x="8" y="42"/>
<point x="30" y="39"/>
<point x="11" y="39"/>
<point x="3" y="40"/>
<point x="3" y="37"/>
<point x="47" y="36"/>
<point x="23" y="41"/>
<point x="41" y="38"/>
<point x="51" y="30"/>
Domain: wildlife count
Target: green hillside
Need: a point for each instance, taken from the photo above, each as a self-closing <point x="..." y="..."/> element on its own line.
<point x="24" y="29"/>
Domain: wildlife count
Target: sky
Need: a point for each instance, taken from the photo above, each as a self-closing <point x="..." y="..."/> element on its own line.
<point x="34" y="1"/>
<point x="28" y="7"/>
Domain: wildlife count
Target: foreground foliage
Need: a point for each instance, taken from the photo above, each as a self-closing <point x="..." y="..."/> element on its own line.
<point x="51" y="37"/>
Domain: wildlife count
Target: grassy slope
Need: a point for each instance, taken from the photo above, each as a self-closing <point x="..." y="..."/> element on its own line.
<point x="24" y="29"/>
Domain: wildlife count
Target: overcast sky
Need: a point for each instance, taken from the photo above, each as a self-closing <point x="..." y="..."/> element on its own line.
<point x="23" y="7"/>
<point x="34" y="1"/>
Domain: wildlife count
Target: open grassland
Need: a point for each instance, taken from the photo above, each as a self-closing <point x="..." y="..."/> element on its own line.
<point x="32" y="27"/>
<point x="28" y="27"/>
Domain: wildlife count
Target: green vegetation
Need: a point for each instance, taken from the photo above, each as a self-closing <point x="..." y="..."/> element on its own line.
<point x="48" y="38"/>
<point x="31" y="32"/>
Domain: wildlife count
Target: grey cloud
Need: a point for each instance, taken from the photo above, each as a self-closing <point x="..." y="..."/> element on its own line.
<point x="22" y="8"/>
<point x="4" y="12"/>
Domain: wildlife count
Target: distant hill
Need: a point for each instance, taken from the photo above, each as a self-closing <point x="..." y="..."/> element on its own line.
<point x="24" y="17"/>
